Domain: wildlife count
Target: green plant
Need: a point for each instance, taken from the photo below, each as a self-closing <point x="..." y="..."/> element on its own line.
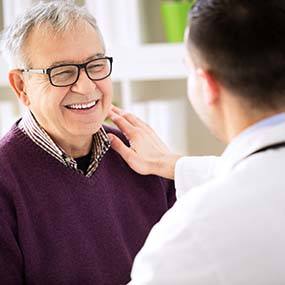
<point x="174" y="18"/>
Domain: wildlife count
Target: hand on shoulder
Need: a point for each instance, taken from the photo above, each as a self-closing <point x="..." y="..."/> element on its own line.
<point x="147" y="154"/>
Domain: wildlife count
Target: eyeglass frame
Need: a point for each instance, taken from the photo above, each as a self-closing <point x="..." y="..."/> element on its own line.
<point x="79" y="67"/>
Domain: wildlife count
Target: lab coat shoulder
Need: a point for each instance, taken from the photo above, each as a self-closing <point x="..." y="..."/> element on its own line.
<point x="192" y="171"/>
<point x="217" y="227"/>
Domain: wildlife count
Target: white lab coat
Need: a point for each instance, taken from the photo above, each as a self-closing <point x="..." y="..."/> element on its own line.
<point x="228" y="224"/>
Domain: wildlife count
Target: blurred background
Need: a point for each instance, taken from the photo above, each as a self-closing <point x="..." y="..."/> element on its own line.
<point x="149" y="76"/>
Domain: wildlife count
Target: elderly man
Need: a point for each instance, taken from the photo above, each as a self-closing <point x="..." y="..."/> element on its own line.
<point x="227" y="227"/>
<point x="71" y="210"/>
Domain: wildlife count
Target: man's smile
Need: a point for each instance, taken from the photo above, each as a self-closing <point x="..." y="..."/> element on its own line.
<point x="82" y="106"/>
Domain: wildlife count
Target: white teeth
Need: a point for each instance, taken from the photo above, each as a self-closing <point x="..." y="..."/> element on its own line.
<point x="82" y="106"/>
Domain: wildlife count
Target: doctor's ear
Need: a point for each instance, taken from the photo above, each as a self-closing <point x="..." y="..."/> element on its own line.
<point x="210" y="86"/>
<point x="16" y="79"/>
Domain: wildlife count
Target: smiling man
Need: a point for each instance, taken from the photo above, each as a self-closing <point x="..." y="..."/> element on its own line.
<point x="76" y="92"/>
<point x="71" y="210"/>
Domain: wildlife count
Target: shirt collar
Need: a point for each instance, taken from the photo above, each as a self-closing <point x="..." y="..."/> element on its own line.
<point x="264" y="133"/>
<point x="38" y="135"/>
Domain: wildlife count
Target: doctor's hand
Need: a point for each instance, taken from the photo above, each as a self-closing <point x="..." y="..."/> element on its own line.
<point x="147" y="154"/>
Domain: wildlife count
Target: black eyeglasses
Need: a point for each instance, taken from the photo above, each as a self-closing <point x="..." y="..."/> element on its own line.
<point x="67" y="74"/>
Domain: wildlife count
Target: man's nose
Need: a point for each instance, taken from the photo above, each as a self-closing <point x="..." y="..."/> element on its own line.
<point x="84" y="84"/>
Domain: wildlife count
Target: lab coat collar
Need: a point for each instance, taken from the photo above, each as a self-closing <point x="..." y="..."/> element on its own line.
<point x="245" y="145"/>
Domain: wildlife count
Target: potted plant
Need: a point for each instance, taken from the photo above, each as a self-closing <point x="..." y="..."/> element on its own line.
<point x="174" y="18"/>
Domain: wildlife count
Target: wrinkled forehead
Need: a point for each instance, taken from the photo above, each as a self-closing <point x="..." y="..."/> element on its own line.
<point x="73" y="43"/>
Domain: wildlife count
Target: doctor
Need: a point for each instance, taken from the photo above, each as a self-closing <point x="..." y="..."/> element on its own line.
<point x="228" y="225"/>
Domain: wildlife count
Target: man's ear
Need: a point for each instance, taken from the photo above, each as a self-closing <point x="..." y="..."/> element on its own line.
<point x="16" y="79"/>
<point x="210" y="87"/>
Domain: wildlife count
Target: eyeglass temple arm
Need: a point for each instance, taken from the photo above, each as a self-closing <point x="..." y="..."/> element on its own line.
<point x="38" y="71"/>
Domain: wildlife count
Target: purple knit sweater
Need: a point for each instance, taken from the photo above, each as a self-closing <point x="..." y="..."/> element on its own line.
<point x="59" y="227"/>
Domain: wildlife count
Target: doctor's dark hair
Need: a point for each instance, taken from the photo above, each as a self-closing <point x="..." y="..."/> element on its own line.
<point x="242" y="44"/>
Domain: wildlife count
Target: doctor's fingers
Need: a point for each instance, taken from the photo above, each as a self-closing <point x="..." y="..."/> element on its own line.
<point x="131" y="118"/>
<point x="125" y="127"/>
<point x="129" y="155"/>
<point x="116" y="110"/>
<point x="137" y="122"/>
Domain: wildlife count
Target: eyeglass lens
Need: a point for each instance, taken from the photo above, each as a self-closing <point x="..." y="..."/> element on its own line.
<point x="68" y="74"/>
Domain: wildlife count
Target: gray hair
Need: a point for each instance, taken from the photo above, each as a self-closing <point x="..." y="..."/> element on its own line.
<point x="60" y="14"/>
